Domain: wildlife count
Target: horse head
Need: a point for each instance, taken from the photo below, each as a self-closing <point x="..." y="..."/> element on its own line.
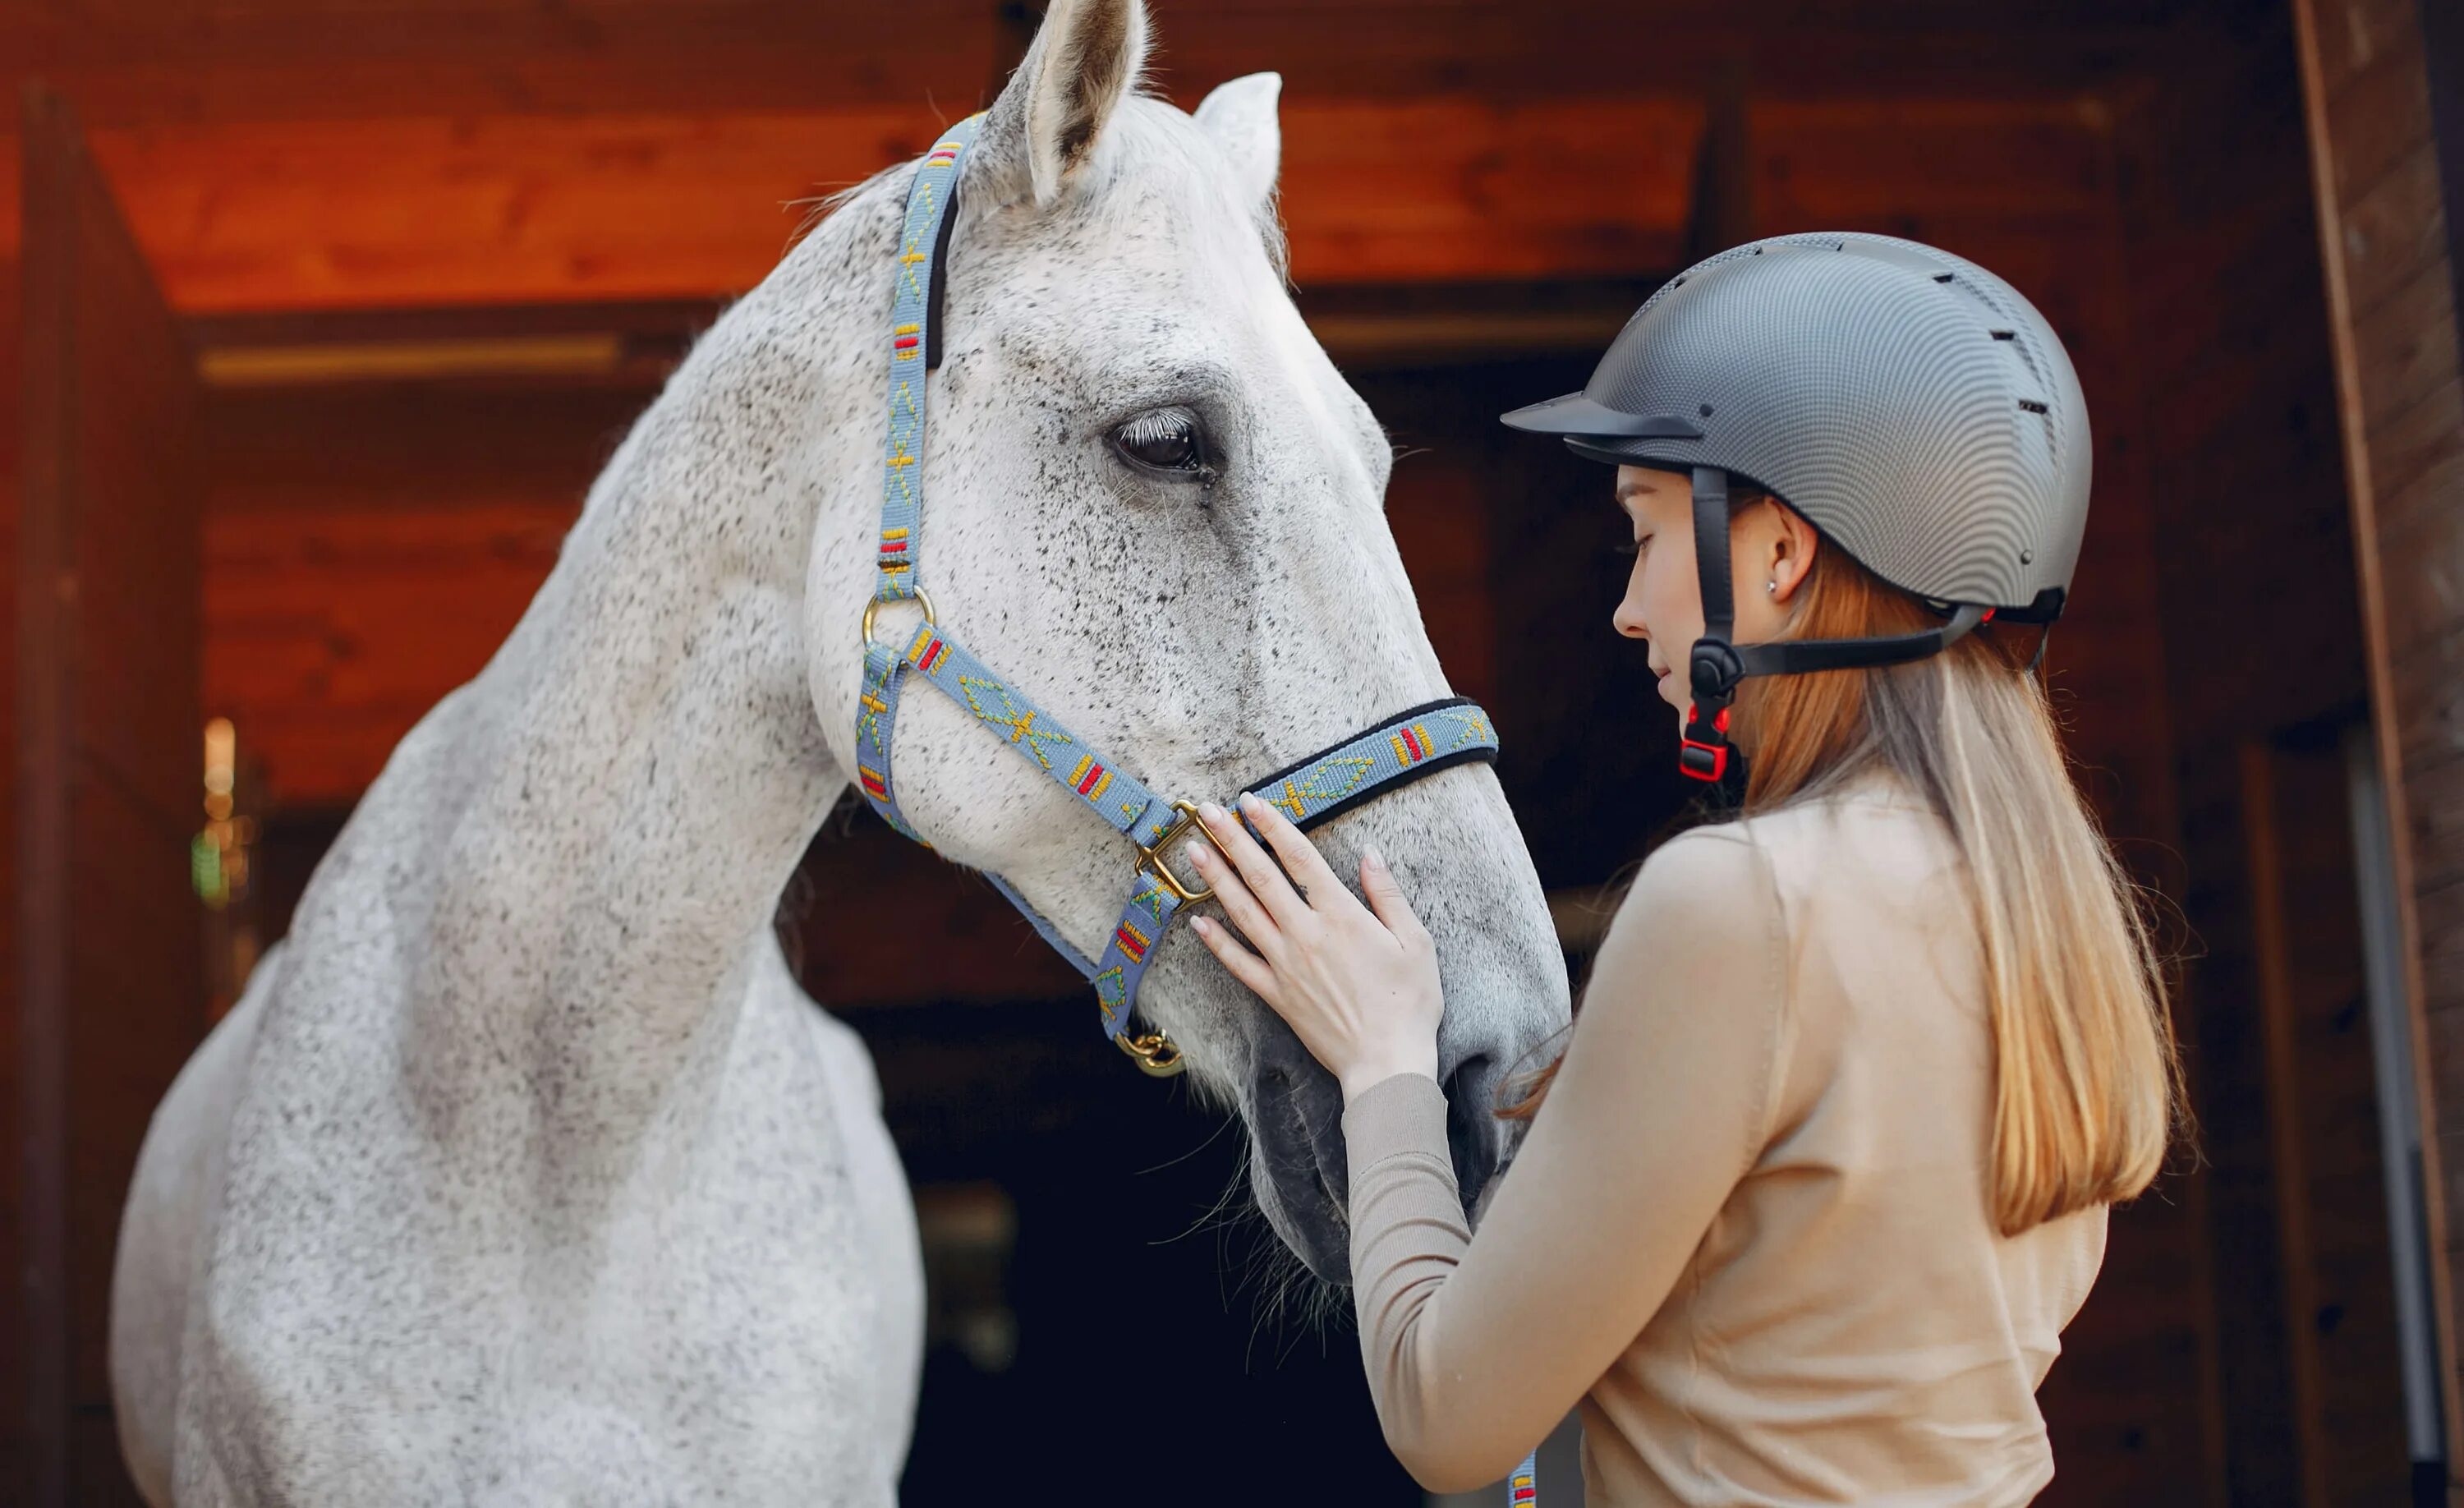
<point x="1155" y="504"/>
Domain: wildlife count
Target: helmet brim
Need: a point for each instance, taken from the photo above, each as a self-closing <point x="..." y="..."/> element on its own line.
<point x="1577" y="417"/>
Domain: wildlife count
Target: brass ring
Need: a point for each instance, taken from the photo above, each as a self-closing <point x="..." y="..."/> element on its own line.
<point x="917" y="598"/>
<point x="1155" y="1054"/>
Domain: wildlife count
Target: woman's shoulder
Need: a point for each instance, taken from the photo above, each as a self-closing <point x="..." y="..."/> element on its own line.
<point x="1709" y="885"/>
<point x="1869" y="834"/>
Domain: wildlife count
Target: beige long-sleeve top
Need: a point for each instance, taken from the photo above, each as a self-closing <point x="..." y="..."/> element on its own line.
<point x="1749" y="1229"/>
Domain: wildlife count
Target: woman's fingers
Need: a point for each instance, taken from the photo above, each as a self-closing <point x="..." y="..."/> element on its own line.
<point x="1257" y="869"/>
<point x="1386" y="898"/>
<point x="1299" y="857"/>
<point x="1238" y="961"/>
<point x="1234" y="895"/>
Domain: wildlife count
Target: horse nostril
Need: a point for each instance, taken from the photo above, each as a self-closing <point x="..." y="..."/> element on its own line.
<point x="1472" y="1132"/>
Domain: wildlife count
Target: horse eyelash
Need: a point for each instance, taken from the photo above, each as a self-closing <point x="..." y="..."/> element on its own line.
<point x="1157" y="424"/>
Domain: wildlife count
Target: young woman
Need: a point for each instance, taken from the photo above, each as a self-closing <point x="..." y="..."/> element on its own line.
<point x="1823" y="1170"/>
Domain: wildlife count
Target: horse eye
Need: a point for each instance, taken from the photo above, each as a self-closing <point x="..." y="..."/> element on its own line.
<point x="1166" y="440"/>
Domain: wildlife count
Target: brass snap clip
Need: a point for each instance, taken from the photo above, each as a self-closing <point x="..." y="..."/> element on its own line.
<point x="1155" y="1054"/>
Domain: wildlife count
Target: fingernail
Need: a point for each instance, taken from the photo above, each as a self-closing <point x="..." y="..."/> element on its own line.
<point x="1209" y="812"/>
<point x="1250" y="802"/>
<point x="1372" y="854"/>
<point x="1202" y="925"/>
<point x="1198" y="853"/>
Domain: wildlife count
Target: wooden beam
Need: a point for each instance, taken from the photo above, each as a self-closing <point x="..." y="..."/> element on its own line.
<point x="313" y="60"/>
<point x="437" y="210"/>
<point x="432" y="212"/>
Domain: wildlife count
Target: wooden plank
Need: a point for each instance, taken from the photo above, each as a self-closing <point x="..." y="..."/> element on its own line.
<point x="2363" y="31"/>
<point x="2394" y="229"/>
<point x="2413" y="455"/>
<point x="2434" y="824"/>
<point x="2425" y="600"/>
<point x="439" y="210"/>
<point x="2442" y="930"/>
<point x="2405" y="350"/>
<point x="436" y="211"/>
<point x="308" y="59"/>
<point x="2378" y="118"/>
<point x="1867" y="162"/>
<point x="2426" y="688"/>
<point x="424" y="211"/>
<point x="1439" y="189"/>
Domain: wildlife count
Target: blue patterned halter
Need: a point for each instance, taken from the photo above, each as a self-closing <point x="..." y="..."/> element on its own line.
<point x="1395" y="752"/>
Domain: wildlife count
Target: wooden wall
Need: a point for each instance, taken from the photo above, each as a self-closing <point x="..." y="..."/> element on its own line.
<point x="2382" y="177"/>
<point x="328" y="561"/>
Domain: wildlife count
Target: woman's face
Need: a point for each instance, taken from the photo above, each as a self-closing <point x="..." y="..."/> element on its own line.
<point x="1770" y="550"/>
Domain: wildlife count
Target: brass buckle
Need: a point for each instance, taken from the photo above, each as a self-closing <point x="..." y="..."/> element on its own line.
<point x="874" y="605"/>
<point x="1152" y="860"/>
<point x="1155" y="1054"/>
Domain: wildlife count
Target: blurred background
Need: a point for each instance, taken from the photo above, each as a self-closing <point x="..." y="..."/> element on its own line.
<point x="320" y="315"/>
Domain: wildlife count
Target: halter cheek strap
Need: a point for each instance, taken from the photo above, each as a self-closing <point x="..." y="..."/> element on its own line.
<point x="1406" y="747"/>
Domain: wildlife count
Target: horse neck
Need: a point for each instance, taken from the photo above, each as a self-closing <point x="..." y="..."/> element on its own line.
<point x="645" y="764"/>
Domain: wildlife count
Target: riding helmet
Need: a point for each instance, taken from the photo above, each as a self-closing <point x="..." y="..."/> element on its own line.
<point x="1916" y="409"/>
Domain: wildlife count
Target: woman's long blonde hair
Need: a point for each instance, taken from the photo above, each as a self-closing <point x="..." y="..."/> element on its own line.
<point x="2088" y="1087"/>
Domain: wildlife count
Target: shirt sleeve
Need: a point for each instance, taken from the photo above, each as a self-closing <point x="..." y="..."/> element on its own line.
<point x="1476" y="1346"/>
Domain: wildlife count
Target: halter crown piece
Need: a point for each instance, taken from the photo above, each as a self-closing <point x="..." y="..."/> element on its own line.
<point x="1395" y="752"/>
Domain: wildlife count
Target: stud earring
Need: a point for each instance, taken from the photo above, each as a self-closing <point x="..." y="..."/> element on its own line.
<point x="1770" y="586"/>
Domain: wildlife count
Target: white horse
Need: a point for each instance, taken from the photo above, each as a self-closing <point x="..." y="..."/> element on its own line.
<point x="524" y="1173"/>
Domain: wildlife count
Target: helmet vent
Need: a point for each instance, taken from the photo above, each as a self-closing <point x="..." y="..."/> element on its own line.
<point x="2032" y="406"/>
<point x="1942" y="277"/>
<point x="2006" y="335"/>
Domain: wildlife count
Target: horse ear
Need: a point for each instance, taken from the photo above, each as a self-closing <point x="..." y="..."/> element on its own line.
<point x="1085" y="57"/>
<point x="1240" y="117"/>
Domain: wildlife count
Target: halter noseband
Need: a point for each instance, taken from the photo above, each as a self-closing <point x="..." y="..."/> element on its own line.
<point x="1404" y="748"/>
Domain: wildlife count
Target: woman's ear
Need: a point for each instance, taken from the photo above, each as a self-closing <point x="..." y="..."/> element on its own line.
<point x="1084" y="61"/>
<point x="1793" y="546"/>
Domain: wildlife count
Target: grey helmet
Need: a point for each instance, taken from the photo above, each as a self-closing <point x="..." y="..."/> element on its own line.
<point x="1914" y="407"/>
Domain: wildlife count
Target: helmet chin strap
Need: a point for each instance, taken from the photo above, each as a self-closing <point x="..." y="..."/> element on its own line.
<point x="1717" y="662"/>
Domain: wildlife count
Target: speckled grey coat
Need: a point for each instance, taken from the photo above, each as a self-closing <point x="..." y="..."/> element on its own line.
<point x="525" y="1174"/>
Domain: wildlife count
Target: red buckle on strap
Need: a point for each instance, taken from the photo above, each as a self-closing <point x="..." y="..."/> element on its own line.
<point x="1703" y="761"/>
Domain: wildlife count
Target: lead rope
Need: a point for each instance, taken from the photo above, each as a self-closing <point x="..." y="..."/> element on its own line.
<point x="1523" y="1489"/>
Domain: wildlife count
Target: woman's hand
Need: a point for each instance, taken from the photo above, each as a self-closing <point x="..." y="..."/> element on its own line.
<point x="1360" y="989"/>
